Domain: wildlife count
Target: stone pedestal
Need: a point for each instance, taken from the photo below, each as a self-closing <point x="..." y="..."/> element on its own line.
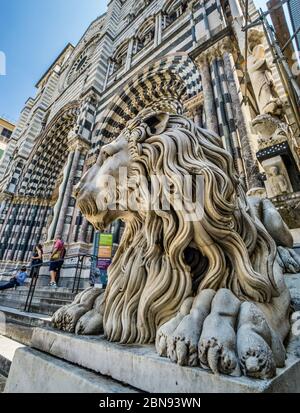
<point x="137" y="366"/>
<point x="35" y="372"/>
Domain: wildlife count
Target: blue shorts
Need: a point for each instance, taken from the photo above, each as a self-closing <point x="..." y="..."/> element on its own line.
<point x="56" y="265"/>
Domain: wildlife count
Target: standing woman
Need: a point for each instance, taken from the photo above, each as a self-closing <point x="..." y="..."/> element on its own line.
<point x="37" y="260"/>
<point x="56" y="260"/>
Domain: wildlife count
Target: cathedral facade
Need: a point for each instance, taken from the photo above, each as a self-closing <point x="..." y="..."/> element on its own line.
<point x="138" y="53"/>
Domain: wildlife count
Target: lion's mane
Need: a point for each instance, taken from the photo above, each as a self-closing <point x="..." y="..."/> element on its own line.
<point x="150" y="276"/>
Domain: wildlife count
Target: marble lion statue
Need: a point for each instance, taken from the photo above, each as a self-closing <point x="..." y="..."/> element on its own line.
<point x="208" y="292"/>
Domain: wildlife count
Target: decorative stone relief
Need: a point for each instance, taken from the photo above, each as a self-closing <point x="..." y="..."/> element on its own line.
<point x="278" y="182"/>
<point x="261" y="75"/>
<point x="271" y="131"/>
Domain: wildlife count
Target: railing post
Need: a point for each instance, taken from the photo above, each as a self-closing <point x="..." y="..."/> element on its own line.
<point x="34" y="278"/>
<point x="77" y="267"/>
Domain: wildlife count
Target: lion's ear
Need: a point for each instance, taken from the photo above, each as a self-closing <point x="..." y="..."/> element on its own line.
<point x="156" y="122"/>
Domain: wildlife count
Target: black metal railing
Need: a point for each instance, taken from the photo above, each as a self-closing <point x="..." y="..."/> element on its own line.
<point x="35" y="273"/>
<point x="79" y="268"/>
<point x="76" y="281"/>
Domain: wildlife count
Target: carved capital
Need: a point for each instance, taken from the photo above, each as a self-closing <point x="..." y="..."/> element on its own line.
<point x="90" y="97"/>
<point x="192" y="105"/>
<point x="202" y="60"/>
<point x="226" y="45"/>
<point x="78" y="143"/>
<point x="5" y="196"/>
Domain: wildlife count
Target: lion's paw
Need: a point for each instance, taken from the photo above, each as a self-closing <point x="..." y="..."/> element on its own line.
<point x="58" y="317"/>
<point x="183" y="343"/>
<point x="167" y="329"/>
<point x="91" y="323"/>
<point x="257" y="359"/>
<point x="289" y="260"/>
<point x="67" y="317"/>
<point x="217" y="344"/>
<point x="259" y="349"/>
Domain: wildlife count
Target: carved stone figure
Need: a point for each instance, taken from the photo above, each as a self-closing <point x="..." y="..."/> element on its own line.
<point x="261" y="75"/>
<point x="277" y="181"/>
<point x="208" y="291"/>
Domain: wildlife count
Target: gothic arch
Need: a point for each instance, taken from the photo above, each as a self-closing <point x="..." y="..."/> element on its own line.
<point x="48" y="155"/>
<point x="171" y="5"/>
<point x="145" y="27"/>
<point x="174" y="78"/>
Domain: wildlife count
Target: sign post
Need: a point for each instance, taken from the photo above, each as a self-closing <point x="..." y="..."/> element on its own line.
<point x="103" y="246"/>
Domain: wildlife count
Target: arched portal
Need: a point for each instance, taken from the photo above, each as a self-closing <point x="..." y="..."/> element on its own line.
<point x="174" y="78"/>
<point x="32" y="203"/>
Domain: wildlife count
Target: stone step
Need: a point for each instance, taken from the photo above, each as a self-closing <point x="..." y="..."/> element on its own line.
<point x="19" y="325"/>
<point x="45" y="292"/>
<point x="43" y="308"/>
<point x="36" y="307"/>
<point x="35" y="372"/>
<point x="8" y="348"/>
<point x="45" y="300"/>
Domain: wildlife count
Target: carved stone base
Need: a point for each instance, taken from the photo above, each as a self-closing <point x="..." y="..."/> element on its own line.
<point x="142" y="368"/>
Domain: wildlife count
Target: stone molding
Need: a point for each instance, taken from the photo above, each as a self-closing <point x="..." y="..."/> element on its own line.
<point x="26" y="200"/>
<point x="79" y="143"/>
<point x="192" y="105"/>
<point x="217" y="50"/>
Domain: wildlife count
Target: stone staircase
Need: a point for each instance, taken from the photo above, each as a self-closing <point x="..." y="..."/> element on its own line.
<point x="45" y="300"/>
<point x="17" y="326"/>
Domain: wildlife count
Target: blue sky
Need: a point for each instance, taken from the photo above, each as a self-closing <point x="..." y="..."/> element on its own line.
<point x="32" y="34"/>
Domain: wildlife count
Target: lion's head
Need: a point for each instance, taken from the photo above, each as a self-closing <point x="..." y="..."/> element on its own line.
<point x="163" y="257"/>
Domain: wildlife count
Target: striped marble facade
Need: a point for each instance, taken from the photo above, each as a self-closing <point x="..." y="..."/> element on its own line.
<point x="137" y="54"/>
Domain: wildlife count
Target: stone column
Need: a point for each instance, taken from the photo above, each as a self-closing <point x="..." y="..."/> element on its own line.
<point x="205" y="18"/>
<point x="57" y="208"/>
<point x="109" y="67"/>
<point x="236" y="10"/>
<point x="5" y="205"/>
<point x="68" y="190"/>
<point x="158" y="29"/>
<point x="209" y="104"/>
<point x="240" y="115"/>
<point x="83" y="231"/>
<point x="129" y="54"/>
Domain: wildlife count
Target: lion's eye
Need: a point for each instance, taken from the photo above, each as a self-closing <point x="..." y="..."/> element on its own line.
<point x="105" y="155"/>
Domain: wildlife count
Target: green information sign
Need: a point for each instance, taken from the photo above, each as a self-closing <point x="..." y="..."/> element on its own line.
<point x="106" y="240"/>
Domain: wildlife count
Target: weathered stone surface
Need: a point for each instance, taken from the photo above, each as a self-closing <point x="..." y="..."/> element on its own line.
<point x="293" y="283"/>
<point x="35" y="372"/>
<point x="139" y="366"/>
<point x="7" y="351"/>
<point x="2" y="383"/>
